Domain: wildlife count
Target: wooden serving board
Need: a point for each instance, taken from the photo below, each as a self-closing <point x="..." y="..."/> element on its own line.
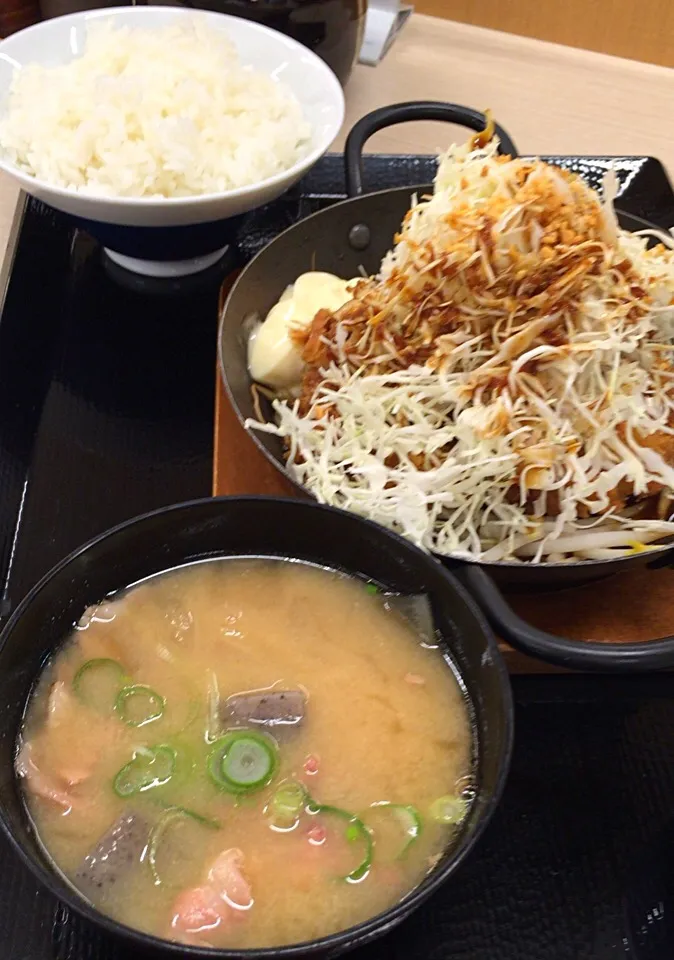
<point x="628" y="608"/>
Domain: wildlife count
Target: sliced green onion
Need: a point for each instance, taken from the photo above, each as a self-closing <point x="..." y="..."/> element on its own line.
<point x="180" y="713"/>
<point x="169" y="817"/>
<point x="409" y="819"/>
<point x="242" y="761"/>
<point x="205" y="821"/>
<point x="192" y="715"/>
<point x="287" y="803"/>
<point x="187" y="759"/>
<point x="139" y="704"/>
<point x="97" y="683"/>
<point x="168" y="807"/>
<point x="213" y="719"/>
<point x="450" y="809"/>
<point x="150" y="767"/>
<point x="372" y="589"/>
<point x="356" y="831"/>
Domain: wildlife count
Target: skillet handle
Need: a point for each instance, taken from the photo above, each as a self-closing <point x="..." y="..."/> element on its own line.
<point x="572" y="654"/>
<point x="403" y="113"/>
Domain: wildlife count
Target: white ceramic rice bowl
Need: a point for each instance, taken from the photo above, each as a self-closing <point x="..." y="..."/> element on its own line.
<point x="60" y="40"/>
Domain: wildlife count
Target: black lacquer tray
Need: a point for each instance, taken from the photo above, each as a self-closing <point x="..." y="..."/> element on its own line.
<point x="106" y="410"/>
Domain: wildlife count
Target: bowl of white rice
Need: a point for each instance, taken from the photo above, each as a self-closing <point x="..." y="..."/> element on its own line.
<point x="156" y="127"/>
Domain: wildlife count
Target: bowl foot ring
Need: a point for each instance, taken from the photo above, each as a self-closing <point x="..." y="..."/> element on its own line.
<point x="165" y="269"/>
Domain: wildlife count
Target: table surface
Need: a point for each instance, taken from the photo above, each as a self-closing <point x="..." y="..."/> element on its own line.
<point x="593" y="770"/>
<point x="552" y="99"/>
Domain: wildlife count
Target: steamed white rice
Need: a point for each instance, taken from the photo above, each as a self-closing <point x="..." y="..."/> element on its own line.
<point x="169" y="112"/>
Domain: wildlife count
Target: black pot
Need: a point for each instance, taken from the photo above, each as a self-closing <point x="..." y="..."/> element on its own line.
<point x="333" y="29"/>
<point x="254" y="526"/>
<point x="57" y="8"/>
<point x="352" y="236"/>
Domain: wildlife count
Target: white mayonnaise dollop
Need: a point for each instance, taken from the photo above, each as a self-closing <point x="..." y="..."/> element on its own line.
<point x="273" y="358"/>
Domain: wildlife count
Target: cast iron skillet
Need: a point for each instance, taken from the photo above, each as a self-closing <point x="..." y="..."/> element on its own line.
<point x="257" y="527"/>
<point x="357" y="233"/>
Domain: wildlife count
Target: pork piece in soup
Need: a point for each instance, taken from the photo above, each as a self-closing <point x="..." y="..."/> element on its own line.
<point x="246" y="754"/>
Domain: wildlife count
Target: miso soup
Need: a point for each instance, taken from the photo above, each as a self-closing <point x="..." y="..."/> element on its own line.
<point x="246" y="753"/>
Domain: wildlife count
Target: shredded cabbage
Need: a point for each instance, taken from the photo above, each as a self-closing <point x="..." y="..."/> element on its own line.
<point x="504" y="388"/>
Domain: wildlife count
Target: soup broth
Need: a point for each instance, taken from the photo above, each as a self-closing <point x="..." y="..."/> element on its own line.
<point x="246" y="753"/>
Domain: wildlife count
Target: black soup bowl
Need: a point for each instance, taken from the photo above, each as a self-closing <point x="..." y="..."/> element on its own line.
<point x="253" y="527"/>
